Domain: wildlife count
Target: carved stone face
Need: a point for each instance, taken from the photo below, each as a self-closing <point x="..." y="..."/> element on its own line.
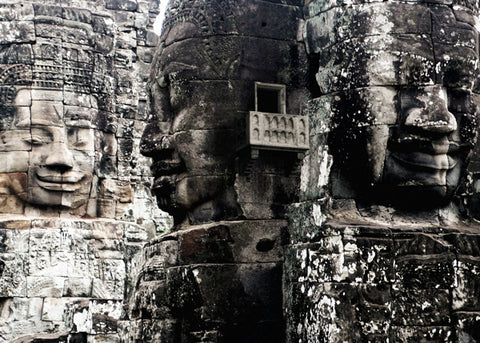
<point x="191" y="138"/>
<point x="61" y="157"/>
<point x="404" y="107"/>
<point x="421" y="153"/>
<point x="202" y="87"/>
<point x="427" y="151"/>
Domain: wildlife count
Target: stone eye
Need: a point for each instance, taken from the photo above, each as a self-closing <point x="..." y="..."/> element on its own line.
<point x="39" y="139"/>
<point x="78" y="138"/>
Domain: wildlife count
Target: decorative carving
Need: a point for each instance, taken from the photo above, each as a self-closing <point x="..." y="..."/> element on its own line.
<point x="402" y="102"/>
<point x="278" y="131"/>
<point x="72" y="183"/>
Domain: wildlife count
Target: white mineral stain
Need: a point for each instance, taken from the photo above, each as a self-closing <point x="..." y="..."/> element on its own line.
<point x="325" y="166"/>
<point x="425" y="305"/>
<point x="196" y="272"/>
<point x="371" y="256"/>
<point x="83" y="321"/>
<point x="305" y="174"/>
<point x="317" y="215"/>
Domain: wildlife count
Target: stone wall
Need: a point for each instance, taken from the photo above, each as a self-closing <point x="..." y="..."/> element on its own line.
<point x="68" y="248"/>
<point x="383" y="248"/>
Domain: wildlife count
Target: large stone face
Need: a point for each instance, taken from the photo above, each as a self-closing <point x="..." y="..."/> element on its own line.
<point x="75" y="207"/>
<point x="202" y="86"/>
<point x="380" y="242"/>
<point x="72" y="115"/>
<point x="218" y="276"/>
<point x="402" y="95"/>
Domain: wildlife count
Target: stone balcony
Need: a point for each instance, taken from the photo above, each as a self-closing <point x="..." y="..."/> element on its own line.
<point x="275" y="131"/>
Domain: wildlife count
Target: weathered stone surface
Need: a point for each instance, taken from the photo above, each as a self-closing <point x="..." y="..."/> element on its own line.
<point x="124" y="5"/>
<point x="51" y="269"/>
<point x="61" y="158"/>
<point x="17" y="32"/>
<point x="406" y="280"/>
<point x="223" y="280"/>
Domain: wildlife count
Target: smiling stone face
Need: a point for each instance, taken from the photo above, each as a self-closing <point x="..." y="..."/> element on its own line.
<point x="61" y="150"/>
<point x="402" y="93"/>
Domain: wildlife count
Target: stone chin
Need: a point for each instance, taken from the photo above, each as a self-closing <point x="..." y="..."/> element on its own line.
<point x="200" y="198"/>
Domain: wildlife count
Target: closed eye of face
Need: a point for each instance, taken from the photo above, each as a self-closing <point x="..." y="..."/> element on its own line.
<point x="79" y="137"/>
<point x="40" y="136"/>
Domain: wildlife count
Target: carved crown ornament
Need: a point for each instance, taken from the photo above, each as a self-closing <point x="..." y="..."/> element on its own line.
<point x="80" y="78"/>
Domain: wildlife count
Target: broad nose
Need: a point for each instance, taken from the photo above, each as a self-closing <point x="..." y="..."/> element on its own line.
<point x="156" y="135"/>
<point x="60" y="157"/>
<point x="431" y="112"/>
<point x="156" y="138"/>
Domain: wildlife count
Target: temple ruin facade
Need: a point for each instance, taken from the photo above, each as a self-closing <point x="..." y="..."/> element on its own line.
<point x="257" y="171"/>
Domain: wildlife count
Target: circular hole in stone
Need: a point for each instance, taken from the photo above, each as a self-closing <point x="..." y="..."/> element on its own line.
<point x="265" y="244"/>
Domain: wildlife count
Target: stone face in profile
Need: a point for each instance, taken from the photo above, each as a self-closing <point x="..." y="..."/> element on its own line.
<point x="202" y="90"/>
<point x="403" y="100"/>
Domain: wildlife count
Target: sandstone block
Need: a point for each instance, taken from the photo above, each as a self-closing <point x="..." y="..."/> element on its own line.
<point x="53" y="309"/>
<point x="17" y="32"/>
<point x="124" y="5"/>
<point x="465" y="294"/>
<point x="15" y="140"/>
<point x="14" y="162"/>
<point x="78" y="287"/>
<point x="421" y="307"/>
<point x="427" y="334"/>
<point x="44" y="286"/>
<point x="9" y="12"/>
<point x="13" y="269"/>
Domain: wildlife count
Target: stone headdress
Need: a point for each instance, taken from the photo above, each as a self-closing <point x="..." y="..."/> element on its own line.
<point x="68" y="49"/>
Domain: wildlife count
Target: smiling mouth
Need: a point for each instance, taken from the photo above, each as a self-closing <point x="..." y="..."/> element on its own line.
<point x="424" y="160"/>
<point x="164" y="190"/>
<point x="437" y="155"/>
<point x="64" y="182"/>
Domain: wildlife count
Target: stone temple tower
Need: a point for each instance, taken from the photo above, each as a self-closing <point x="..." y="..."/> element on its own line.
<point x="226" y="90"/>
<point x="75" y="207"/>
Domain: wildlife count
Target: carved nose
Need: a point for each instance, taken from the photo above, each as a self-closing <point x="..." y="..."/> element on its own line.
<point x="433" y="116"/>
<point x="60" y="157"/>
<point x="155" y="138"/>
